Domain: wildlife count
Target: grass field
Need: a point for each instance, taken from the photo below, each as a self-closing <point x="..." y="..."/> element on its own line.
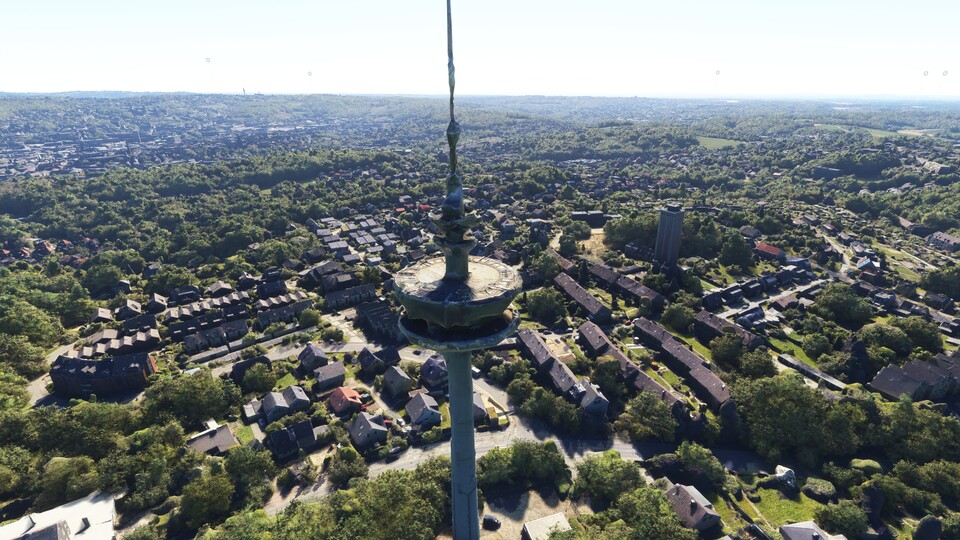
<point x="791" y="348"/>
<point x="779" y="510"/>
<point x="713" y="143"/>
<point x="698" y="347"/>
<point x="879" y="133"/>
<point x="445" y="415"/>
<point x="731" y="520"/>
<point x="285" y="381"/>
<point x="244" y="434"/>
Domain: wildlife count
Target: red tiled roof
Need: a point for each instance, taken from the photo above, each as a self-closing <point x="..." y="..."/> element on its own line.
<point x="767" y="248"/>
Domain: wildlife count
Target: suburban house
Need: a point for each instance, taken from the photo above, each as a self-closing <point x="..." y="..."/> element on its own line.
<point x="769" y="253"/>
<point x="396" y="382"/>
<point x="291" y="399"/>
<point x="366" y="430"/>
<point x="807" y="530"/>
<point x="433" y="373"/>
<point x="214" y="441"/>
<point x="708" y="387"/>
<point x="215" y="337"/>
<point x="566" y="266"/>
<point x="218" y="289"/>
<point x="312" y="357"/>
<point x="423" y="411"/>
<point x="285" y="314"/>
<point x="350" y="296"/>
<point x="82" y="377"/>
<point x="91" y="517"/>
<point x="101" y="315"/>
<point x="695" y="511"/>
<point x="375" y="363"/>
<point x="345" y="400"/>
<point x="534" y="348"/>
<point x="481" y="412"/>
<point x="329" y="376"/>
<point x="378" y="319"/>
<point x="630" y="290"/>
<point x="944" y="241"/>
<point x="287" y="443"/>
<point x="919" y="379"/>
<point x="592" y="339"/>
<point x="127" y="310"/>
<point x="561" y="378"/>
<point x="543" y="528"/>
<point x="594" y="309"/>
<point x="271" y="288"/>
<point x="593" y="401"/>
<point x="707" y="326"/>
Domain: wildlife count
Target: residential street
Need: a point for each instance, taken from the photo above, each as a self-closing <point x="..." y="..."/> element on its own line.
<point x="574" y="449"/>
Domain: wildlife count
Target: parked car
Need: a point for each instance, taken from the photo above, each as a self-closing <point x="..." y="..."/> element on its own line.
<point x="491" y="523"/>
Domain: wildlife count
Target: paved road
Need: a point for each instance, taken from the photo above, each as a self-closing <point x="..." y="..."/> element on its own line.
<point x="37" y="388"/>
<point x="754" y="303"/>
<point x="574" y="449"/>
<point x="282" y="351"/>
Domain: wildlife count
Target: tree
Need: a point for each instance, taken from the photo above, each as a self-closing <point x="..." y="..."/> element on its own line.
<point x="19" y="355"/>
<point x="170" y="277"/>
<point x="837" y="302"/>
<point x="784" y="418"/>
<point x="815" y="345"/>
<point x="309" y="318"/>
<point x="249" y="470"/>
<point x="736" y="251"/>
<point x="727" y="349"/>
<point x="13" y="391"/>
<point x="190" y="398"/>
<point x="568" y="245"/>
<point x="65" y="479"/>
<point x="678" y="317"/>
<point x="606" y="375"/>
<point x="945" y="280"/>
<point x="647" y="417"/>
<point x="645" y="513"/>
<point x="20" y="317"/>
<point x="102" y="277"/>
<point x="701" y="461"/>
<point x="347" y="464"/>
<point x="922" y="333"/>
<point x="890" y="337"/>
<point x="844" y="518"/>
<point x="258" y="379"/>
<point x="546" y="306"/>
<point x="206" y="499"/>
<point x="605" y="477"/>
<point x="757" y="364"/>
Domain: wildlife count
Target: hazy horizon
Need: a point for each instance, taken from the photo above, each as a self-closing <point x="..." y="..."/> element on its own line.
<point x="612" y="48"/>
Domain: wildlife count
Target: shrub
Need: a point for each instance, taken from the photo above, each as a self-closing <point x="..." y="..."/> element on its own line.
<point x="868" y="467"/>
<point x="819" y="489"/>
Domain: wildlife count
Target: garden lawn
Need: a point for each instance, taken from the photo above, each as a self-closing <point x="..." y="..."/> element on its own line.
<point x="779" y="510"/>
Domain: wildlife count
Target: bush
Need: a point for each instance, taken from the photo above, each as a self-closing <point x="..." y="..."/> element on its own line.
<point x="819" y="490"/>
<point x="845" y="518"/>
<point x="868" y="467"/>
<point x="432" y="435"/>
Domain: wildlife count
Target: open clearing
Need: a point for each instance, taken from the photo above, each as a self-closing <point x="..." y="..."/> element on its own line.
<point x="713" y="143"/>
<point x="879" y="133"/>
<point x="513" y="510"/>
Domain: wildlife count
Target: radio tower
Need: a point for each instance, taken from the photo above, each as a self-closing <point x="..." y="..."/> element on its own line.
<point x="457" y="304"/>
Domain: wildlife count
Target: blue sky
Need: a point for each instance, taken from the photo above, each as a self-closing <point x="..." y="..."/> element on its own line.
<point x="502" y="47"/>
